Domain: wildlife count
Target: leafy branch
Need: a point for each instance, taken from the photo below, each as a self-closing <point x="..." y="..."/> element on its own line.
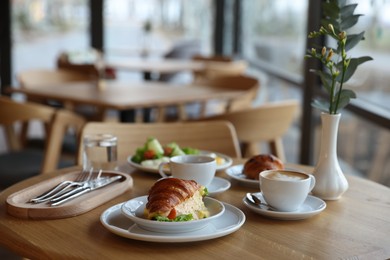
<point x="339" y="67"/>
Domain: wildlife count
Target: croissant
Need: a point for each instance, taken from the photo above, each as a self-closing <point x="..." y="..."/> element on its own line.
<point x="171" y="198"/>
<point x="259" y="163"/>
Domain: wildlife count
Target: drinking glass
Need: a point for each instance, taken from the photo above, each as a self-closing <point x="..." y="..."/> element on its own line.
<point x="100" y="152"/>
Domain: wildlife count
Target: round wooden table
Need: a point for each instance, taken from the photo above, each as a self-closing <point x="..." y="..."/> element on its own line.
<point x="356" y="226"/>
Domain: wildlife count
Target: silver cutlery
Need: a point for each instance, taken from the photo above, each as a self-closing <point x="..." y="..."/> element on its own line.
<point x="90" y="186"/>
<point x="251" y="198"/>
<point x="64" y="186"/>
<point x="77" y="189"/>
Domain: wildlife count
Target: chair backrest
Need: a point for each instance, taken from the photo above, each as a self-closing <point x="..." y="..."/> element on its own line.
<point x="265" y="123"/>
<point x="219" y="66"/>
<point x="12" y="112"/>
<point x="87" y="68"/>
<point x="216" y="136"/>
<point x="46" y="77"/>
<point x="239" y="82"/>
<point x="220" y="58"/>
<point x="56" y="121"/>
<point x="202" y="75"/>
<point x="63" y="63"/>
<point x="64" y="121"/>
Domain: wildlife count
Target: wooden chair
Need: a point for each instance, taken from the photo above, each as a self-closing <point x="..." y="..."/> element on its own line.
<point x="199" y="75"/>
<point x="239" y="82"/>
<point x="19" y="162"/>
<point x="64" y="63"/>
<point x="216" y="136"/>
<point x="204" y="109"/>
<point x="218" y="66"/>
<point x="220" y="58"/>
<point x="266" y="123"/>
<point x="191" y="111"/>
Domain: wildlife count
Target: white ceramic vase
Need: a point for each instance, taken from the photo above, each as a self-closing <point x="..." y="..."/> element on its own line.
<point x="330" y="180"/>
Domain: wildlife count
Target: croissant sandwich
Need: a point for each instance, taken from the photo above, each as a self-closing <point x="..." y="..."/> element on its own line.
<point x="173" y="199"/>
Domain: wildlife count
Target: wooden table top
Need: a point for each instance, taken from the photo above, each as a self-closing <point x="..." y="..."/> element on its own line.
<point x="160" y="65"/>
<point x="121" y="95"/>
<point x="356" y="226"/>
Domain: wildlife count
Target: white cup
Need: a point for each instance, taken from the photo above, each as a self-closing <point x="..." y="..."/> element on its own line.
<point x="100" y="152"/>
<point x="200" y="168"/>
<point x="285" y="190"/>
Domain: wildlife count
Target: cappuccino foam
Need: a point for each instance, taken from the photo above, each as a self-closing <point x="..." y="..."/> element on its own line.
<point x="286" y="176"/>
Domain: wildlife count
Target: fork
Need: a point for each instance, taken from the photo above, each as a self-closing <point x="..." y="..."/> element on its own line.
<point x="64" y="186"/>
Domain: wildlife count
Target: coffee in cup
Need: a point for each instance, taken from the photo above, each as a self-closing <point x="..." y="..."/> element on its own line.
<point x="286" y="176"/>
<point x="285" y="190"/>
<point x="200" y="168"/>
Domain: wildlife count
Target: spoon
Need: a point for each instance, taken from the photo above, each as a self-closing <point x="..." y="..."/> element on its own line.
<point x="256" y="201"/>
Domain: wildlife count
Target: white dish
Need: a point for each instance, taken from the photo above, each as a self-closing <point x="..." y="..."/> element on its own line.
<point x="235" y="172"/>
<point x="134" y="209"/>
<point x="230" y="221"/>
<point x="312" y="206"/>
<point x="228" y="161"/>
<point x="218" y="185"/>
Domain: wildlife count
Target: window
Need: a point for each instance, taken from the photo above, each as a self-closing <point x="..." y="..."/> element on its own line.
<point x="274" y="32"/>
<point x="132" y="27"/>
<point x="273" y="40"/>
<point x="41" y="29"/>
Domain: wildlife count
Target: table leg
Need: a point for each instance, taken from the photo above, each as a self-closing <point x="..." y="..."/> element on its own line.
<point x="127" y="115"/>
<point x="147" y="75"/>
<point x="147" y="111"/>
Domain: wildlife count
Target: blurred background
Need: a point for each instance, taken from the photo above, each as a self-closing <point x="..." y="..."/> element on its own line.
<point x="270" y="34"/>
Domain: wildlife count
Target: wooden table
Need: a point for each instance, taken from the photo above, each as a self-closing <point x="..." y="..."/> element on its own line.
<point x="356" y="226"/>
<point x="149" y="65"/>
<point x="120" y="95"/>
<point x="160" y="65"/>
<point x="152" y="64"/>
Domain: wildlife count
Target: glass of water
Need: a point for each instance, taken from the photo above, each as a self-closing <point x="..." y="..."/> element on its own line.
<point x="100" y="152"/>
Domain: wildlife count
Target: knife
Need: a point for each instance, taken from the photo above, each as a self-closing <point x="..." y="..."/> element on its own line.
<point x="90" y="186"/>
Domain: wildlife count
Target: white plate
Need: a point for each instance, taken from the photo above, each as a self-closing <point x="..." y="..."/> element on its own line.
<point x="235" y="172"/>
<point x="223" y="166"/>
<point x="134" y="209"/>
<point x="230" y="221"/>
<point x="312" y="206"/>
<point x="218" y="185"/>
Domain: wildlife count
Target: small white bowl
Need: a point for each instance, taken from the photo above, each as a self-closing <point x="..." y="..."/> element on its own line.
<point x="134" y="209"/>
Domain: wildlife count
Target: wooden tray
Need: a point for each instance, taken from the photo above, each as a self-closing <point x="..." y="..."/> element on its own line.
<point x="18" y="205"/>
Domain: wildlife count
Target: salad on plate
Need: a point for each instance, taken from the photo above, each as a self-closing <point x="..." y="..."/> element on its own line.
<point x="153" y="153"/>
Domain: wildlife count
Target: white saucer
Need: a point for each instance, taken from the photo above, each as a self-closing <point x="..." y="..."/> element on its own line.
<point x="312" y="206"/>
<point x="231" y="220"/>
<point x="218" y="185"/>
<point x="235" y="172"/>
